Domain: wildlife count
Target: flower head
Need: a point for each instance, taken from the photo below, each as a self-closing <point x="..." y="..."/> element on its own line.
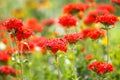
<point x="7" y="70"/>
<point x="4" y="56"/>
<point x="72" y="38"/>
<point x="57" y="44"/>
<point x="107" y="19"/>
<point x="12" y="23"/>
<point x="68" y="21"/>
<point x="74" y="8"/>
<point x="101" y="67"/>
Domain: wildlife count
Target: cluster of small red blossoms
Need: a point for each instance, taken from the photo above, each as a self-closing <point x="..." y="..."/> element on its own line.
<point x="68" y="21"/>
<point x="74" y="8"/>
<point x="106" y="7"/>
<point x="26" y="46"/>
<point x="107" y="19"/>
<point x="91" y="17"/>
<point x="4" y="56"/>
<point x="57" y="44"/>
<point x="15" y="27"/>
<point x="33" y="25"/>
<point x="7" y="70"/>
<point x="101" y="67"/>
<point x="93" y="33"/>
<point x="72" y="38"/>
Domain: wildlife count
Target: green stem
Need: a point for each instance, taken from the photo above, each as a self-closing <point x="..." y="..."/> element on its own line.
<point x="21" y="62"/>
<point x="107" y="45"/>
<point x="74" y="65"/>
<point x="57" y="66"/>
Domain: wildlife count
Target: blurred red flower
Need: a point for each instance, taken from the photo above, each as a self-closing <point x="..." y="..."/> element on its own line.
<point x="101" y="67"/>
<point x="74" y="8"/>
<point x="33" y="24"/>
<point x="72" y="38"/>
<point x="68" y="21"/>
<point x="57" y="44"/>
<point x="12" y="23"/>
<point x="107" y="19"/>
<point x="4" y="56"/>
<point x="7" y="70"/>
<point x="107" y="7"/>
<point x="116" y="2"/>
<point x="93" y="33"/>
<point x="91" y="17"/>
<point x="89" y="56"/>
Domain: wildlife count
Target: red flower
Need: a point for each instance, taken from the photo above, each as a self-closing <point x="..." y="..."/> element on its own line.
<point x="26" y="46"/>
<point x="107" y="19"/>
<point x="101" y="67"/>
<point x="93" y="33"/>
<point x="74" y="8"/>
<point x="89" y="56"/>
<point x="68" y="21"/>
<point x="116" y="2"/>
<point x="12" y="23"/>
<point x="4" y="56"/>
<point x="91" y="17"/>
<point x="72" y="38"/>
<point x="48" y="22"/>
<point x="106" y="7"/>
<point x="7" y="70"/>
<point x="57" y="44"/>
<point x="23" y="34"/>
<point x="33" y="25"/>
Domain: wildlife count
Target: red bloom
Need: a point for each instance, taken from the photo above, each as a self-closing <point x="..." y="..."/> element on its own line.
<point x="57" y="44"/>
<point x="4" y="56"/>
<point x="106" y="7"/>
<point x="33" y="24"/>
<point x="72" y="38"/>
<point x="93" y="33"/>
<point x="116" y="2"/>
<point x="68" y="21"/>
<point x="48" y="22"/>
<point x="7" y="70"/>
<point x="74" y="8"/>
<point x="91" y="17"/>
<point x="23" y="34"/>
<point x="100" y="67"/>
<point x="26" y="46"/>
<point x="107" y="19"/>
<point x="89" y="56"/>
<point x="12" y="23"/>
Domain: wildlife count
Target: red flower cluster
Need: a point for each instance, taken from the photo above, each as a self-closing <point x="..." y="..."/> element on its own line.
<point x="72" y="38"/>
<point x="116" y="2"/>
<point x="68" y="21"/>
<point x="4" y="56"/>
<point x="33" y="24"/>
<point x="93" y="33"/>
<point x="91" y="17"/>
<point x="48" y="22"/>
<point x="101" y="67"/>
<point x="15" y="26"/>
<point x="57" y="44"/>
<point x="106" y="7"/>
<point x="26" y="46"/>
<point x="74" y="8"/>
<point x="107" y="19"/>
<point x="13" y="23"/>
<point x="7" y="70"/>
